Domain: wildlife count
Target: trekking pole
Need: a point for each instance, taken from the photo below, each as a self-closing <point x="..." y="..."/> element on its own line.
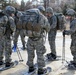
<point x="16" y="49"/>
<point x="63" y="50"/>
<point x="19" y="55"/>
<point x="18" y="52"/>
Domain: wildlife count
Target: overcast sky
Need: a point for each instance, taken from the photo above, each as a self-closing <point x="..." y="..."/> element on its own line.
<point x="19" y="1"/>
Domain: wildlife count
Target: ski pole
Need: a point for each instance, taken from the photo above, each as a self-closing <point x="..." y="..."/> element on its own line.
<point x="63" y="50"/>
<point x="16" y="49"/>
<point x="19" y="55"/>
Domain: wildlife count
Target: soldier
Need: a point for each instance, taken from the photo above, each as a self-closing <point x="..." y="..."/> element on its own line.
<point x="42" y="9"/>
<point x="37" y="43"/>
<point x="6" y="42"/>
<point x="19" y="31"/>
<point x="52" y="33"/>
<point x="3" y="23"/>
<point x="71" y="16"/>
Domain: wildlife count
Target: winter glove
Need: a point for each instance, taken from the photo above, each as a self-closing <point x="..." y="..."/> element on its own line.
<point x="65" y="32"/>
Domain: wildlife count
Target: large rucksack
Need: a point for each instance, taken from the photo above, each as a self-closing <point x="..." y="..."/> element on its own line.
<point x="60" y="21"/>
<point x="3" y="23"/>
<point x="18" y="22"/>
<point x="31" y="22"/>
<point x="8" y="28"/>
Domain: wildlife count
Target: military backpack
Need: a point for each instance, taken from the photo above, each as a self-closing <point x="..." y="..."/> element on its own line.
<point x="60" y="21"/>
<point x="3" y="23"/>
<point x="31" y="22"/>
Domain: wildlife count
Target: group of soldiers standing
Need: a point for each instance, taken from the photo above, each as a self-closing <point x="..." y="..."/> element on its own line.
<point x="49" y="23"/>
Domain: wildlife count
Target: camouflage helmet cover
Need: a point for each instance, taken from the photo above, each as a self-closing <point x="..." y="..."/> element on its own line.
<point x="9" y="9"/>
<point x="70" y="12"/>
<point x="41" y="8"/>
<point x="49" y="10"/>
<point x="19" y="14"/>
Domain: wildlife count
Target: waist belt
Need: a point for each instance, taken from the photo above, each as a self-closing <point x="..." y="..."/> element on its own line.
<point x="35" y="38"/>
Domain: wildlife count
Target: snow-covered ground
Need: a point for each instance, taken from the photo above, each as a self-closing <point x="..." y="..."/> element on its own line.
<point x="57" y="67"/>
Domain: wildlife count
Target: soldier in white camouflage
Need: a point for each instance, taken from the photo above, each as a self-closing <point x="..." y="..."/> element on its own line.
<point x="52" y="33"/>
<point x="71" y="16"/>
<point x="6" y="40"/>
<point x="37" y="43"/>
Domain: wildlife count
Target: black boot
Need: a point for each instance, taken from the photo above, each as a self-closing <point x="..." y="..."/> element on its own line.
<point x="1" y="63"/>
<point x="42" y="71"/>
<point x="23" y="48"/>
<point x="72" y="65"/>
<point x="31" y="69"/>
<point x="51" y="56"/>
<point x="8" y="64"/>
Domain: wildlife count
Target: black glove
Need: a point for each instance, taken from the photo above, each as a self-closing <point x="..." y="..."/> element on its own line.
<point x="65" y="32"/>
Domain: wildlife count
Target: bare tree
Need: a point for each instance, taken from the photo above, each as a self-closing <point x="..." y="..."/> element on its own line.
<point x="22" y="7"/>
<point x="28" y="5"/>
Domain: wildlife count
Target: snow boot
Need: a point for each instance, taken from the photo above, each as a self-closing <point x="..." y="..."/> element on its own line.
<point x="9" y="64"/>
<point x="72" y="65"/>
<point x="31" y="69"/>
<point x="42" y="71"/>
<point x="51" y="57"/>
<point x="23" y="48"/>
<point x="1" y="63"/>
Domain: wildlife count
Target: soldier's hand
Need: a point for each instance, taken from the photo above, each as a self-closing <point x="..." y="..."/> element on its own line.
<point x="65" y="32"/>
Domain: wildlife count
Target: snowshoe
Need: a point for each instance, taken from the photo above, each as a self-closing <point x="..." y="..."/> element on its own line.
<point x="31" y="73"/>
<point x="72" y="66"/>
<point x="46" y="71"/>
<point x="6" y="67"/>
<point x="1" y="65"/>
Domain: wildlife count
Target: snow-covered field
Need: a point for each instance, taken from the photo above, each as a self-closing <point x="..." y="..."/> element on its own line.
<point x="57" y="67"/>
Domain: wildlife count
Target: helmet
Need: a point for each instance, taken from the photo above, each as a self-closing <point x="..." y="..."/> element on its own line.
<point x="41" y="8"/>
<point x="49" y="10"/>
<point x="70" y="12"/>
<point x="19" y="14"/>
<point x="2" y="12"/>
<point x="9" y="10"/>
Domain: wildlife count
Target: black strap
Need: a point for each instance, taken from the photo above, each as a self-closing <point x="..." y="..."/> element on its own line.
<point x="26" y="25"/>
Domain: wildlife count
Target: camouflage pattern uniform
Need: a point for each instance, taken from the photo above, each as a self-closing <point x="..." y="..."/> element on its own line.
<point x="5" y="40"/>
<point x="22" y="35"/>
<point x="36" y="43"/>
<point x="52" y="33"/>
<point x="19" y="32"/>
<point x="3" y="22"/>
<point x="73" y="37"/>
<point x="8" y="40"/>
<point x="10" y="28"/>
<point x="72" y="32"/>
